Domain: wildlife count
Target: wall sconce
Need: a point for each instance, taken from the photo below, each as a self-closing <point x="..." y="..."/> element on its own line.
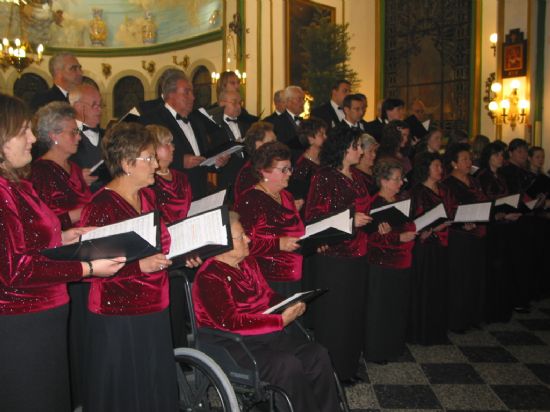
<point x="509" y="109"/>
<point x="215" y="77"/>
<point x="241" y="76"/>
<point x="148" y="67"/>
<point x="493" y="38"/>
<point x="184" y="63"/>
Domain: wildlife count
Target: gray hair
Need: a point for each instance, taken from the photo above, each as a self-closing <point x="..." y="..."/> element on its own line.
<point x="291" y="91"/>
<point x="170" y="81"/>
<point x="76" y="92"/>
<point x="383" y="169"/>
<point x="49" y="118"/>
<point x="56" y="62"/>
<point x="366" y="141"/>
<point x="278" y="96"/>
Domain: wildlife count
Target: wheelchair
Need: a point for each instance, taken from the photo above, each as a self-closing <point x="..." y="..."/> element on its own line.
<point x="250" y="390"/>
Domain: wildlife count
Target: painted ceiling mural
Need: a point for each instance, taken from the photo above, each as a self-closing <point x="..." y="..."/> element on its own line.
<point x="109" y="23"/>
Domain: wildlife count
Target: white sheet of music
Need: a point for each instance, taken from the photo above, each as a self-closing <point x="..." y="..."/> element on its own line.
<point x="211" y="161"/>
<point x="143" y="225"/>
<point x="295" y="297"/>
<point x="473" y="169"/>
<point x="532" y="203"/>
<point x="195" y="232"/>
<point x="512" y="200"/>
<point x="342" y="221"/>
<point x="404" y="207"/>
<point x="209" y="202"/>
<point x="475" y="212"/>
<point x="430" y="216"/>
<point x="94" y="167"/>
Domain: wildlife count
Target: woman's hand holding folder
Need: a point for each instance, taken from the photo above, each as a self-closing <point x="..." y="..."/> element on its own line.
<point x="154" y="263"/>
<point x="102" y="268"/>
<point x="361" y="219"/>
<point x="293" y="312"/>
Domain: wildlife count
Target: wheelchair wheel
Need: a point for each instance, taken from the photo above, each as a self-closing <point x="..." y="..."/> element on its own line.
<point x="203" y="385"/>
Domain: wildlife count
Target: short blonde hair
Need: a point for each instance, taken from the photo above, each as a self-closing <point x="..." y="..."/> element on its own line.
<point x="161" y="134"/>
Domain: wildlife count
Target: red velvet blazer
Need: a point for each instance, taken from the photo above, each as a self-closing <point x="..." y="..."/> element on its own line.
<point x="461" y="193"/>
<point x="387" y="250"/>
<point x="129" y="292"/>
<point x="29" y="282"/>
<point x="233" y="299"/>
<point x="332" y="191"/>
<point x="61" y="191"/>
<point x="173" y="196"/>
<point x="424" y="199"/>
<point x="265" y="221"/>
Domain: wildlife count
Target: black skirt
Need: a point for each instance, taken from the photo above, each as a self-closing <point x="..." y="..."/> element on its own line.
<point x="386" y="313"/>
<point x="338" y="316"/>
<point x="34" y="363"/>
<point x="467" y="276"/>
<point x="428" y="309"/>
<point x="130" y="364"/>
<point x="498" y="291"/>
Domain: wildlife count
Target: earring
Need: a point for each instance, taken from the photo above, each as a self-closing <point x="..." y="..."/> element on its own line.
<point x="55" y="142"/>
<point x="128" y="173"/>
<point x="266" y="179"/>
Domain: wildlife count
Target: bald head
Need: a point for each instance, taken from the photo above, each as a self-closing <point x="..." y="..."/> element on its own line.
<point x="295" y="99"/>
<point x="419" y="110"/>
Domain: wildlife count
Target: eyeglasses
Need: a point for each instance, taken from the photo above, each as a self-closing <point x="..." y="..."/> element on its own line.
<point x="147" y="159"/>
<point x="397" y="179"/>
<point x="72" y="132"/>
<point x="285" y="169"/>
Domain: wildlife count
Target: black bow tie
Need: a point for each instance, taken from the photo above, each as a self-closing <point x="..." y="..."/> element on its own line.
<point x="340" y="108"/>
<point x="93" y="129"/>
<point x="229" y="119"/>
<point x="183" y="119"/>
<point x="297" y="119"/>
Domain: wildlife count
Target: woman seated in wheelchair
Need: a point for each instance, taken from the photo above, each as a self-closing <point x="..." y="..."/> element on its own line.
<point x="231" y="294"/>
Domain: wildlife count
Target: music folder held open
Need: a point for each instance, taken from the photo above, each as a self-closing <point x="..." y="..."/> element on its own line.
<point x="432" y="218"/>
<point x="395" y="214"/>
<point x="134" y="238"/>
<point x="507" y="204"/>
<point x="221" y="151"/>
<point x="473" y="212"/>
<point x="205" y="203"/>
<point x="329" y="230"/>
<point x="297" y="297"/>
<point x="203" y="235"/>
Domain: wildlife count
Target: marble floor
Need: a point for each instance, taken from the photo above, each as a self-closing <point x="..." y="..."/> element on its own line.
<point x="501" y="367"/>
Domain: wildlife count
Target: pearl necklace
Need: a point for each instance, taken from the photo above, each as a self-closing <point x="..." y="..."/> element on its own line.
<point x="276" y="197"/>
<point x="158" y="172"/>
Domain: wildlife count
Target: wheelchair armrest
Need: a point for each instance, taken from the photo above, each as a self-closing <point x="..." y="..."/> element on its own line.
<point x="221" y="333"/>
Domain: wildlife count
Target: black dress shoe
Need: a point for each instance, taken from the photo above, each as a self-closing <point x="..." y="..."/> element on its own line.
<point x="522" y="309"/>
<point x="381" y="362"/>
<point x="347" y="383"/>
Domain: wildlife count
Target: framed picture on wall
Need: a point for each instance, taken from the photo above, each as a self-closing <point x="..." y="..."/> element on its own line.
<point x="514" y="54"/>
<point x="300" y="14"/>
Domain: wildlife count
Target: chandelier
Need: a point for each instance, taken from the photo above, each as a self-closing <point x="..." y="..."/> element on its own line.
<point x="18" y="53"/>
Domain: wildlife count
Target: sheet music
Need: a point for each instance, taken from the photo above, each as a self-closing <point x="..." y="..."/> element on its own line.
<point x="133" y="111"/>
<point x="512" y="200"/>
<point x="296" y="296"/>
<point x="342" y="221"/>
<point x="473" y="169"/>
<point x="404" y="207"/>
<point x="195" y="232"/>
<point x="209" y="202"/>
<point x="475" y="212"/>
<point x="143" y="225"/>
<point x="532" y="203"/>
<point x="211" y="161"/>
<point x="429" y="217"/>
<point x="94" y="167"/>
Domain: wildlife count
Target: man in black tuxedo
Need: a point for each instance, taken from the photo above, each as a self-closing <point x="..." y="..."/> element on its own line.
<point x="333" y="112"/>
<point x="364" y="106"/>
<point x="418" y="121"/>
<point x="230" y="82"/>
<point x="87" y="103"/>
<point x="286" y="125"/>
<point x="66" y="73"/>
<point x="232" y="129"/>
<point x="188" y="129"/>
<point x="280" y="106"/>
<point x="353" y="113"/>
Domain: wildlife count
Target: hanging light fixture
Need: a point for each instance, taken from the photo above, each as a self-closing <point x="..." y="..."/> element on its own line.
<point x="18" y="53"/>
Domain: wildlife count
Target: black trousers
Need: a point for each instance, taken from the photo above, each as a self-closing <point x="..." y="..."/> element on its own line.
<point x="34" y="374"/>
<point x="301" y="368"/>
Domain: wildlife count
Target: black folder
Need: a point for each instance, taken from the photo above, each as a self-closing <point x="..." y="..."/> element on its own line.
<point x="505" y="208"/>
<point x="205" y="251"/>
<point x="327" y="237"/>
<point x="393" y="216"/>
<point x="128" y="244"/>
<point x="305" y="297"/>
